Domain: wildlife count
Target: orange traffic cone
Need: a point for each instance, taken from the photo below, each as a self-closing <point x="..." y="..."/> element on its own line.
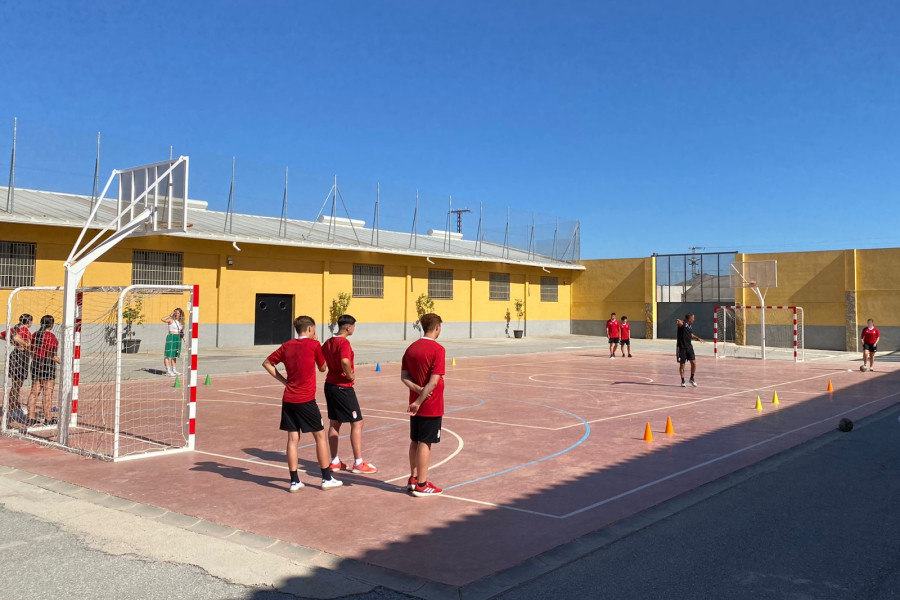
<point x="648" y="435"/>
<point x="669" y="429"/>
<point x="830" y="387"/>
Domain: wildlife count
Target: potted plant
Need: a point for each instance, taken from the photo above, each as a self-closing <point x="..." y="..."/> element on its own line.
<point x="132" y="314"/>
<point x="520" y="312"/>
<point x="508" y="319"/>
<point x="424" y="305"/>
<point x="338" y="309"/>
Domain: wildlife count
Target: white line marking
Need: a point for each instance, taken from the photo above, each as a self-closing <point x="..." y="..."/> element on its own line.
<point x="446" y="460"/>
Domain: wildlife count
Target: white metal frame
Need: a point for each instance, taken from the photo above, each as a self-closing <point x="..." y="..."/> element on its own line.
<point x="759" y="294"/>
<point x="799" y="354"/>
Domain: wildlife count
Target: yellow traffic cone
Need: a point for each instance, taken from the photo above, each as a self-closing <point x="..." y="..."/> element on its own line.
<point x="758" y="404"/>
<point x="775" y="399"/>
<point x="453" y="363"/>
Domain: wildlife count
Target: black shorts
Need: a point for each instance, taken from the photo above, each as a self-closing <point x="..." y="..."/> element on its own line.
<point x="870" y="347"/>
<point x="425" y="429"/>
<point x="18" y="365"/>
<point x="625" y="342"/>
<point x="43" y="369"/>
<point x="343" y="406"/>
<point x="686" y="354"/>
<point x="301" y="416"/>
<point x="613" y="340"/>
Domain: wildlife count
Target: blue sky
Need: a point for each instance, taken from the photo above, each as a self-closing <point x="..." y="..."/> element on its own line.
<point x="746" y="126"/>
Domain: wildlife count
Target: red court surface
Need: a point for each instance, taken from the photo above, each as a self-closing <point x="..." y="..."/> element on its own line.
<point x="537" y="450"/>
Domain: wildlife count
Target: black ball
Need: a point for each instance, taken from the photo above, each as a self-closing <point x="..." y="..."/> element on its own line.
<point x="845" y="425"/>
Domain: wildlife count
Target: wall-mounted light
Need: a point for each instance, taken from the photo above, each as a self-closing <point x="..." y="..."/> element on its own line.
<point x="229" y="261"/>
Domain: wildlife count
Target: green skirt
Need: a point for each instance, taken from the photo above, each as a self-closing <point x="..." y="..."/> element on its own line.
<point x="173" y="345"/>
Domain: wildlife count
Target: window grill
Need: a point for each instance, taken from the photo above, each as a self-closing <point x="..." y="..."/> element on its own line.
<point x="440" y="284"/>
<point x="549" y="289"/>
<point x="150" y="267"/>
<point x="368" y="281"/>
<point x="499" y="286"/>
<point x="16" y="264"/>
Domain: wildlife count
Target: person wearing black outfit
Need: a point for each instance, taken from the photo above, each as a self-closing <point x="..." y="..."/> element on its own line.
<point x="684" y="347"/>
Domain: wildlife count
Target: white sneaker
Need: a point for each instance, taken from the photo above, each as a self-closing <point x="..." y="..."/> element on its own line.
<point x="683" y="384"/>
<point x="330" y="484"/>
<point x="296" y="486"/>
<point x="612" y="357"/>
<point x="693" y="383"/>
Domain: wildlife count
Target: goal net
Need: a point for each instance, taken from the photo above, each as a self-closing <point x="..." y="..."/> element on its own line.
<point x="124" y="405"/>
<point x="738" y="332"/>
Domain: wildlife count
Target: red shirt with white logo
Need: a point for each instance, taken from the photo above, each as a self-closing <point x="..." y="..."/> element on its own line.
<point x="612" y="328"/>
<point x="424" y="358"/>
<point x="625" y="331"/>
<point x="45" y="347"/>
<point x="869" y="336"/>
<point x="335" y="349"/>
<point x="300" y="358"/>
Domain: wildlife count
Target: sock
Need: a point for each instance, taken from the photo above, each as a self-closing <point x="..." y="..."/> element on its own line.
<point x="336" y="460"/>
<point x="294" y="477"/>
<point x="326" y="474"/>
<point x="692" y="377"/>
<point x="357" y="462"/>
<point x="682" y="380"/>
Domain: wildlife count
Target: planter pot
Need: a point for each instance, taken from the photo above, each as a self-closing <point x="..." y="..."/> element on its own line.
<point x="131" y="346"/>
<point x="518" y="333"/>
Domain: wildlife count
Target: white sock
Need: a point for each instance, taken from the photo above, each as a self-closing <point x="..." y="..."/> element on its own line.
<point x="336" y="460"/>
<point x="357" y="462"/>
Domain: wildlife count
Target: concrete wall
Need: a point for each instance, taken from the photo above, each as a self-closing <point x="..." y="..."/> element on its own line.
<point x="314" y="278"/>
<point x="624" y="286"/>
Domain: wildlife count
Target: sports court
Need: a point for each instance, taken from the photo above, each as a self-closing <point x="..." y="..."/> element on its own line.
<point x="538" y="450"/>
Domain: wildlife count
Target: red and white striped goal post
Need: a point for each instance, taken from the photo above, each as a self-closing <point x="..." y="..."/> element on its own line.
<point x="736" y="307"/>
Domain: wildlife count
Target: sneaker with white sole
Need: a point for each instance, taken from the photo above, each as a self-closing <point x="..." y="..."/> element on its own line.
<point x="683" y="384"/>
<point x="426" y="489"/>
<point x="693" y="383"/>
<point x="411" y="483"/>
<point x="364" y="468"/>
<point x="296" y="486"/>
<point x="330" y="484"/>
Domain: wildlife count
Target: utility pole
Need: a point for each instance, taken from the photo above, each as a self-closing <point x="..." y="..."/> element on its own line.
<point x="695" y="260"/>
<point x="459" y="212"/>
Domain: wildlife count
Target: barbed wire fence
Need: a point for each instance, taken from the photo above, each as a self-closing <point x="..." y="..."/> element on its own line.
<point x="303" y="203"/>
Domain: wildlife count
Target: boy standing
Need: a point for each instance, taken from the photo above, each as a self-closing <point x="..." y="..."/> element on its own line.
<point x="625" y="336"/>
<point x="612" y="332"/>
<point x="870" y="336"/>
<point x="684" y="347"/>
<point x="299" y="410"/>
<point x="422" y="371"/>
<point x="340" y="397"/>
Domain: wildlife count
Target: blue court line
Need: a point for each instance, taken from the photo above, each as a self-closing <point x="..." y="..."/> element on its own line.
<point x="587" y="433"/>
<point x="398" y="423"/>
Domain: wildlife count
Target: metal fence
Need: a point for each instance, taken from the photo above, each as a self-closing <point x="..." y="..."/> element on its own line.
<point x="70" y="161"/>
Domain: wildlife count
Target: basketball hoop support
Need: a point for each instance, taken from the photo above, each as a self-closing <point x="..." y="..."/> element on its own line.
<point x="755" y="269"/>
<point x="79" y="260"/>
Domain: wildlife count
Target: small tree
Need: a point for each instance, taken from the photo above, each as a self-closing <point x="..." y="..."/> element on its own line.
<point x="520" y="311"/>
<point x="338" y="309"/>
<point x="424" y="305"/>
<point x="132" y="314"/>
<point x="508" y="319"/>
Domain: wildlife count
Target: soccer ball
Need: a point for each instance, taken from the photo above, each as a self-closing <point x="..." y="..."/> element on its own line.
<point x="863" y="368"/>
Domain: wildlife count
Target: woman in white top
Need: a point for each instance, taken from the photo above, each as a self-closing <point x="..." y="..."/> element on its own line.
<point x="175" y="321"/>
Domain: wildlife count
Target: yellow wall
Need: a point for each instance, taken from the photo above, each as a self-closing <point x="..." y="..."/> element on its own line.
<point x="624" y="286"/>
<point x="313" y="276"/>
<point x="878" y="286"/>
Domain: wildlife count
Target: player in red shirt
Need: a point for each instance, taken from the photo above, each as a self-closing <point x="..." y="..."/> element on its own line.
<point x="612" y="332"/>
<point x="422" y="372"/>
<point x="625" y="336"/>
<point x="44" y="358"/>
<point x="299" y="410"/>
<point x="340" y="397"/>
<point x="870" y="336"/>
<point x="19" y="362"/>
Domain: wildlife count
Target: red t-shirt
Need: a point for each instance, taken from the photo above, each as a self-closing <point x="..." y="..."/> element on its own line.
<point x="47" y="346"/>
<point x="422" y="359"/>
<point x="612" y="328"/>
<point x="870" y="335"/>
<point x="335" y="349"/>
<point x="23" y="332"/>
<point x="300" y="358"/>
<point x="625" y="331"/>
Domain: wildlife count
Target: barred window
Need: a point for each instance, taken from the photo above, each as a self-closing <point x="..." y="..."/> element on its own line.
<point x="499" y="286"/>
<point x="440" y="284"/>
<point x="549" y="289"/>
<point x="368" y="281"/>
<point x="16" y="264"/>
<point x="149" y="267"/>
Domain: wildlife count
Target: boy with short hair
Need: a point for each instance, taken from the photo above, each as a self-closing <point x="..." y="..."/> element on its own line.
<point x="625" y="336"/>
<point x="870" y="336"/>
<point x="340" y="397"/>
<point x="684" y="346"/>
<point x="422" y="371"/>
<point x="612" y="332"/>
<point x="299" y="410"/>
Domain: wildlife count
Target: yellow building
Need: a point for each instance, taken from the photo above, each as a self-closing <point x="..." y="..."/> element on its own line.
<point x="257" y="273"/>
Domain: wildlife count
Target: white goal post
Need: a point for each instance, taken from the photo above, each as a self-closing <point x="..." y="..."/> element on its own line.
<point x="736" y="336"/>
